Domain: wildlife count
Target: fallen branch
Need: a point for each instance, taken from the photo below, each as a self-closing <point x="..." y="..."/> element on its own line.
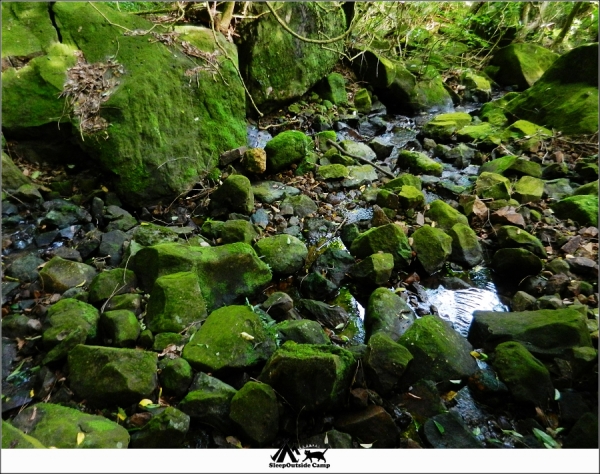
<point x="360" y="158"/>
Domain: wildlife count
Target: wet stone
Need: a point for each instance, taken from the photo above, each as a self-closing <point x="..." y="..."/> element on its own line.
<point x="448" y="431"/>
<point x="111" y="245"/>
<point x="372" y="425"/>
<point x="24" y="268"/>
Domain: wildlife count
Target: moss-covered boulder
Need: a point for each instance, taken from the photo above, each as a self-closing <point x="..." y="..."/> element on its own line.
<point x="285" y="254"/>
<point x="466" y="249"/>
<point x="545" y="331"/>
<point x="511" y="165"/>
<point x="56" y="426"/>
<point x="528" y="189"/>
<point x="227" y="273"/>
<point x="405" y="179"/>
<point x="120" y="328"/>
<point x="494" y="111"/>
<point x="208" y="402"/>
<point x="432" y="246"/>
<point x="255" y="412"/>
<point x="439" y="353"/>
<point x="68" y="322"/>
<point x="572" y="105"/>
<point x="388" y="238"/>
<point x="333" y="89"/>
<point x="493" y="186"/>
<point x="385" y="362"/>
<point x="527" y="379"/>
<point x="121" y="376"/>
<point x="109" y="283"/>
<point x="388" y="313"/>
<point x="255" y="160"/>
<point x="418" y="163"/>
<point x="329" y="172"/>
<point x="310" y="376"/>
<point x="587" y="189"/>
<point x="444" y="215"/>
<point x="477" y="87"/>
<point x="303" y="331"/>
<point x="13" y="438"/>
<point x="375" y="270"/>
<point x="362" y="101"/>
<point x="176" y="301"/>
<point x="522" y="64"/>
<point x="175" y="376"/>
<point x="164" y="430"/>
<point x="238" y="230"/>
<point x="583" y="209"/>
<point x="516" y="263"/>
<point x="300" y="205"/>
<point x="443" y="126"/>
<point x="485" y="135"/>
<point x="286" y="149"/>
<point x="512" y="237"/>
<point x="152" y="117"/>
<point x="387" y="199"/>
<point x="411" y="197"/>
<point x="234" y="195"/>
<point x="359" y="176"/>
<point x="233" y="337"/>
<point x="58" y="275"/>
<point x="278" y="67"/>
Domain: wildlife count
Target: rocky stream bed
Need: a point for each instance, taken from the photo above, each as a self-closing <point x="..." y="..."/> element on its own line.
<point x="372" y="280"/>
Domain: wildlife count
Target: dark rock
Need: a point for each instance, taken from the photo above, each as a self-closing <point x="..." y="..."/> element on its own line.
<point x="388" y="313"/>
<point x="385" y="361"/>
<point x="230" y="156"/>
<point x="255" y="412"/>
<point x="316" y="286"/>
<point x="111" y="283"/>
<point x="285" y="254"/>
<point x="448" y="431"/>
<point x="372" y="425"/>
<point x="516" y="263"/>
<point x="278" y="305"/>
<point x="328" y="315"/>
<point x="330" y="439"/>
<point x="58" y="275"/>
<point x="67" y="253"/>
<point x="175" y="376"/>
<point x="111" y="245"/>
<point x="121" y="328"/>
<point x="584" y="435"/>
<point x="583" y="266"/>
<point x="25" y="267"/>
<point x="165" y="430"/>
<point x="303" y="331"/>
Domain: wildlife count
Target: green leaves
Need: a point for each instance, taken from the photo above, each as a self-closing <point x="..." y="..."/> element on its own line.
<point x="439" y="427"/>
<point x="546" y="439"/>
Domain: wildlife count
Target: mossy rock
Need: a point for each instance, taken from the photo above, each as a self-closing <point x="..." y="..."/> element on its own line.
<point x="285" y="254"/>
<point x="512" y="165"/>
<point x="233" y="337"/>
<point x="26" y="29"/>
<point x="333" y="89"/>
<point x="234" y="195"/>
<point x="444" y="215"/>
<point x="148" y="234"/>
<point x="271" y="191"/>
<point x="405" y="179"/>
<point x="527" y="379"/>
<point x="255" y="412"/>
<point x="388" y="313"/>
<point x="121" y="376"/>
<point x="13" y="438"/>
<point x="70" y="322"/>
<point x="330" y="172"/>
<point x="120" y="327"/>
<point x="238" y="230"/>
<point x="493" y="112"/>
<point x="255" y="160"/>
<point x="56" y="426"/>
<point x="443" y="126"/>
<point x="286" y="149"/>
<point x="165" y="430"/>
<point x="466" y="249"/>
<point x="303" y="331"/>
<point x="493" y="186"/>
<point x="226" y="273"/>
<point x="439" y="353"/>
<point x="111" y="283"/>
<point x="175" y="376"/>
<point x="278" y="67"/>
<point x="176" y="301"/>
<point x="516" y="263"/>
<point x="208" y="402"/>
<point x="375" y="270"/>
<point x="362" y="101"/>
<point x="419" y="163"/>
<point x="58" y="275"/>
<point x="432" y="246"/>
<point x="543" y="332"/>
<point x="12" y="176"/>
<point x="512" y="237"/>
<point x="161" y="121"/>
<point x="359" y="176"/>
<point x="387" y="199"/>
<point x="301" y="205"/>
<point x="589" y="189"/>
<point x="322" y="138"/>
<point x="572" y="105"/>
<point x="411" y="197"/>
<point x="310" y="376"/>
<point x="583" y="209"/>
<point x="483" y="133"/>
<point x="388" y="238"/>
<point x="385" y="361"/>
<point x="522" y="64"/>
<point x="478" y="87"/>
<point x="358" y="149"/>
<point x="524" y="128"/>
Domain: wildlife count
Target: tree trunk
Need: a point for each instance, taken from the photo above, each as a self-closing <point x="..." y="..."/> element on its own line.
<point x="565" y="29"/>
<point x="226" y="17"/>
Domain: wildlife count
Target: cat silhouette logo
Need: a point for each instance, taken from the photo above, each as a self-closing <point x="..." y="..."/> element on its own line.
<point x="288" y="457"/>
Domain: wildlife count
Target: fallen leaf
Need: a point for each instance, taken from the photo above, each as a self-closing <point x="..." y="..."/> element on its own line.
<point x="234" y="441"/>
<point x="439" y="427"/>
<point x="80" y="438"/>
<point x="367" y="446"/>
<point x="145" y="402"/>
<point x="247" y="336"/>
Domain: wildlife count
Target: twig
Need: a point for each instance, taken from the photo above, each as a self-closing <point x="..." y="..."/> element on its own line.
<point x="360" y="158"/>
<point x="274" y="125"/>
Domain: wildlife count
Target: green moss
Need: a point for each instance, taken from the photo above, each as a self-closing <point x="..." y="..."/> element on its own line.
<point x="528" y="189"/>
<point x="492" y="185"/>
<point x="419" y="163"/>
<point x="485" y="133"/>
<point x="13" y="438"/>
<point x="26" y="28"/>
<point x="287" y="148"/>
<point x="285" y="254"/>
<point x="389" y="238"/>
<point x="254" y="409"/>
<point x="402" y="180"/>
<point x="582" y="209"/>
<point x="327" y="172"/>
<point x="443" y="126"/>
<point x="433" y="246"/>
<point x="362" y="101"/>
<point x="522" y="64"/>
<point x="220" y="342"/>
<point x="411" y="198"/>
<point x="445" y="215"/>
